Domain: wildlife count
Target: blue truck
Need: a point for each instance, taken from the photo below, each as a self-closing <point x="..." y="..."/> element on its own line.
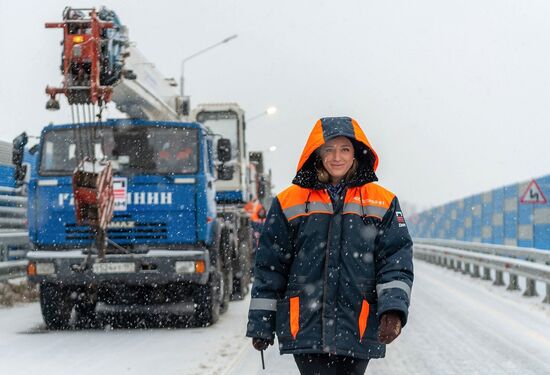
<point x="180" y="240"/>
<point x="174" y="247"/>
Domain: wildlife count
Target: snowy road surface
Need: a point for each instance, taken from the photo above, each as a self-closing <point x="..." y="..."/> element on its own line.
<point x="457" y="326"/>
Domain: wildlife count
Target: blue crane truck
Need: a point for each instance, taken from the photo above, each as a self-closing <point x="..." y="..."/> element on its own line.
<point x="179" y="241"/>
<point x="173" y="248"/>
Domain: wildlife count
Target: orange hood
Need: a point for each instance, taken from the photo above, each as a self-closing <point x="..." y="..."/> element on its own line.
<point x="331" y="127"/>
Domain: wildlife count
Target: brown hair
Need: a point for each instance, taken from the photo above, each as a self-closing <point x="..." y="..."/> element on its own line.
<point x="323" y="175"/>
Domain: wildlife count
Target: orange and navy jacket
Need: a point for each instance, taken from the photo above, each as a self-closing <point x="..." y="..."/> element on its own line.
<point x="327" y="269"/>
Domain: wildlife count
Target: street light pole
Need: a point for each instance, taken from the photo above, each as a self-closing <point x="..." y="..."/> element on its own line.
<point x="200" y="53"/>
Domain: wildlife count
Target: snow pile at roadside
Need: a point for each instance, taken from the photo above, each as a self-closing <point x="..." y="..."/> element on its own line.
<point x="16" y="291"/>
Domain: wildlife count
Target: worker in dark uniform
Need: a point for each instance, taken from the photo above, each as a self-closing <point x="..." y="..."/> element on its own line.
<point x="334" y="271"/>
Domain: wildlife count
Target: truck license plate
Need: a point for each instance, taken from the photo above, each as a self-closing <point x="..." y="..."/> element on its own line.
<point x="114" y="267"/>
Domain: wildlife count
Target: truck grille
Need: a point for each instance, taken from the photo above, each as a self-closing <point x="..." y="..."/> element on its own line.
<point x="139" y="231"/>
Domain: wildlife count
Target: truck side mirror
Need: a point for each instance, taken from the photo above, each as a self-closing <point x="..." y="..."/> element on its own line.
<point x="183" y="104"/>
<point x="19" y="143"/>
<point x="262" y="186"/>
<point x="20" y="174"/>
<point x="224" y="150"/>
<point x="225" y="172"/>
<point x="17" y="158"/>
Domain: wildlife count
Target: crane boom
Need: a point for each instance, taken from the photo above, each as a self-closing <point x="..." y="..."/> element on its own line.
<point x="145" y="93"/>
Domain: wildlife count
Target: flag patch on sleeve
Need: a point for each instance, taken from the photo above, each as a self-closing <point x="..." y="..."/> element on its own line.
<point x="400" y="219"/>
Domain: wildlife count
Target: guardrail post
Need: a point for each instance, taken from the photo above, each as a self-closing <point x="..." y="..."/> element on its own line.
<point x="466" y="268"/>
<point x="3" y="252"/>
<point x="499" y="278"/>
<point x="451" y="264"/>
<point x="513" y="284"/>
<point x="458" y="265"/>
<point x="547" y="298"/>
<point x="486" y="273"/>
<point x="530" y="288"/>
<point x="475" y="272"/>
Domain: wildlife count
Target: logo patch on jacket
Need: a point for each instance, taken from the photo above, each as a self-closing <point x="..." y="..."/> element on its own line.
<point x="400" y="219"/>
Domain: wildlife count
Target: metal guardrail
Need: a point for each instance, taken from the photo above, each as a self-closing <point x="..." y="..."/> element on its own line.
<point x="13" y="208"/>
<point x="14" y="239"/>
<point x="14" y="243"/>
<point x="12" y="269"/>
<point x="469" y="258"/>
<point x="527" y="253"/>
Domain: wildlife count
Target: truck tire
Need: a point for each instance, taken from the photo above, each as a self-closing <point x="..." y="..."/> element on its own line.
<point x="207" y="299"/>
<point x="56" y="305"/>
<point x="227" y="246"/>
<point x="241" y="265"/>
<point x="227" y="288"/>
<point x="85" y="314"/>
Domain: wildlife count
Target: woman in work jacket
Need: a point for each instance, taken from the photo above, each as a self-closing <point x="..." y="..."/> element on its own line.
<point x="333" y="272"/>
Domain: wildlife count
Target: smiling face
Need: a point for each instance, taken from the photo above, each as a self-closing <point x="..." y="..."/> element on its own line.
<point x="337" y="156"/>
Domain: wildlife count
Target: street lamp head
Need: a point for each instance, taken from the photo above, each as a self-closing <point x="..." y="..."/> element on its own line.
<point x="272" y="148"/>
<point x="271" y="110"/>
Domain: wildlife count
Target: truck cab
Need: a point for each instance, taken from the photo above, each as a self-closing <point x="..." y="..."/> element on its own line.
<point x="163" y="184"/>
<point x="227" y="120"/>
<point x="166" y="249"/>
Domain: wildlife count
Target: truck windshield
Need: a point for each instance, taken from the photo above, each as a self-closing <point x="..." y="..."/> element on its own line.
<point x="131" y="149"/>
<point x="224" y="123"/>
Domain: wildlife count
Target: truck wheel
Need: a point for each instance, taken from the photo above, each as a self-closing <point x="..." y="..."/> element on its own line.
<point x="227" y="246"/>
<point x="227" y="287"/>
<point x="207" y="300"/>
<point x="240" y="289"/>
<point x="241" y="279"/>
<point x="56" y="305"/>
<point x="85" y="314"/>
<point x="241" y="265"/>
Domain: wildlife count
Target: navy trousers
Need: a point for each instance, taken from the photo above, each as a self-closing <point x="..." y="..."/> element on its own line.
<point x="328" y="364"/>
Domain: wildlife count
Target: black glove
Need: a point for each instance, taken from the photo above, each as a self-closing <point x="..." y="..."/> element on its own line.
<point x="261" y="344"/>
<point x="389" y="327"/>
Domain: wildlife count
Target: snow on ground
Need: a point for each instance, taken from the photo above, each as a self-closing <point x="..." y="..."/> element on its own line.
<point x="26" y="347"/>
<point x="457" y="325"/>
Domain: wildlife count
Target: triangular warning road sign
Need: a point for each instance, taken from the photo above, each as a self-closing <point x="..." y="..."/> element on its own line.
<point x="533" y="194"/>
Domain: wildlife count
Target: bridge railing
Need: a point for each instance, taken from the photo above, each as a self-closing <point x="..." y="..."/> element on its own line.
<point x="13" y="208"/>
<point x="12" y="269"/>
<point x="470" y="258"/>
<point x="14" y="237"/>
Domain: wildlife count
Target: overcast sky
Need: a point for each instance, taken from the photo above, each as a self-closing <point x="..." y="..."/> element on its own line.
<point x="453" y="95"/>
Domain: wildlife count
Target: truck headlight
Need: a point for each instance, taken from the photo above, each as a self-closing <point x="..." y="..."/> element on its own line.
<point x="190" y="266"/>
<point x="45" y="268"/>
<point x="185" y="266"/>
